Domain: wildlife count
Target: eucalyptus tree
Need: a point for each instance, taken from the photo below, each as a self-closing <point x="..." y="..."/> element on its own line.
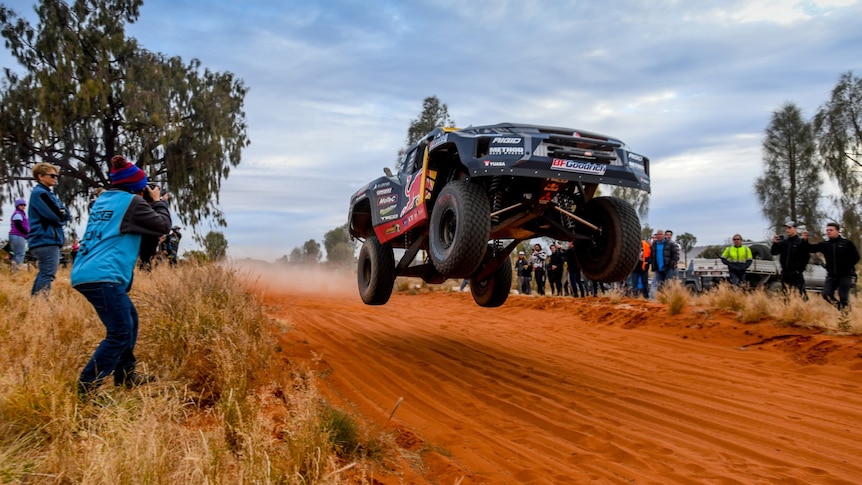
<point x="434" y="114"/>
<point x="838" y="129"/>
<point x="85" y="92"/>
<point x="789" y="187"/>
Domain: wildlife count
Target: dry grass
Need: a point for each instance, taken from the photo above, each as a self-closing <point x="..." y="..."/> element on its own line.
<point x="203" y="332"/>
<point x="675" y="296"/>
<point x="789" y="310"/>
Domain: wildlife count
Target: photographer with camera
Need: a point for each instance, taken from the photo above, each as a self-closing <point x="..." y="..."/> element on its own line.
<point x="104" y="270"/>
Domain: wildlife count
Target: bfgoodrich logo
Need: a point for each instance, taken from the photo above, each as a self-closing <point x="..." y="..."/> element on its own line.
<point x="580" y="167"/>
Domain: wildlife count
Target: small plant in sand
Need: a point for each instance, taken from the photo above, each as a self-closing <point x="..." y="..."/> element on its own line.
<point x="674" y="295"/>
<point x="727" y="297"/>
<point x="757" y="305"/>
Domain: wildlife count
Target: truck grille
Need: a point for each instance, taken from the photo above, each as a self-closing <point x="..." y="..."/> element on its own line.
<point x="579" y="148"/>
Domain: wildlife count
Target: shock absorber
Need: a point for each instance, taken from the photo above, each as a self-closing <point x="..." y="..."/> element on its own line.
<point x="496" y="191"/>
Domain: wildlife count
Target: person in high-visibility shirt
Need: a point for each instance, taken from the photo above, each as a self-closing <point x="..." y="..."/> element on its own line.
<point x="737" y="258"/>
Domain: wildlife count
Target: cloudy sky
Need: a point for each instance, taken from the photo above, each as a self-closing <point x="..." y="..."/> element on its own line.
<point x="334" y="84"/>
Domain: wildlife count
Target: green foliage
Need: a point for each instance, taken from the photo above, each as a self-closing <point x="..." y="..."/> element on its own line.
<point x="686" y="242"/>
<point x="88" y="92"/>
<point x="790" y="185"/>
<point x="339" y="247"/>
<point x="646" y="233"/>
<point x="838" y="128"/>
<point x="434" y="114"/>
<point x="639" y="199"/>
<point x="215" y="245"/>
<point x="712" y="252"/>
<point x="308" y="254"/>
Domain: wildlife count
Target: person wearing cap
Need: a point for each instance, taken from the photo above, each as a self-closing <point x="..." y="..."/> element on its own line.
<point x="841" y="257"/>
<point x="47" y="217"/>
<point x="104" y="269"/>
<point x="18" y="231"/>
<point x="793" y="258"/>
<point x="524" y="270"/>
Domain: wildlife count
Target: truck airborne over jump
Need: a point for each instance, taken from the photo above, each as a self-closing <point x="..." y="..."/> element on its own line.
<point x="467" y="197"/>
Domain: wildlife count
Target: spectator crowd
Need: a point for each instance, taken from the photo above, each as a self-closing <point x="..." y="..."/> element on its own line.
<point x="659" y="257"/>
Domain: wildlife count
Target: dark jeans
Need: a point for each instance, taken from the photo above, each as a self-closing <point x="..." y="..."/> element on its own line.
<point x="118" y="314"/>
<point x="524" y="284"/>
<point x="843" y="285"/>
<point x="642" y="277"/>
<point x="577" y="283"/>
<point x="794" y="280"/>
<point x="555" y="276"/>
<point x="737" y="277"/>
<point x="540" y="280"/>
<point x="48" y="258"/>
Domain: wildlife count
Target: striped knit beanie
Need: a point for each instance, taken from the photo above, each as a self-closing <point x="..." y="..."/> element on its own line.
<point x="127" y="176"/>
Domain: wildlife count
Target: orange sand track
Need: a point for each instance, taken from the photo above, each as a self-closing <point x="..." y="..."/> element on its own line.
<point x="557" y="390"/>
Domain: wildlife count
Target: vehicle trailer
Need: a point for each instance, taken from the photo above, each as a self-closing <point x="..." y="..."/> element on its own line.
<point x="704" y="274"/>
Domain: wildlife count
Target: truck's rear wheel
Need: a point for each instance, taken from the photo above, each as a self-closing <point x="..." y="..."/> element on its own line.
<point x="375" y="272"/>
<point x="494" y="290"/>
<point x="459" y="229"/>
<point x="610" y="255"/>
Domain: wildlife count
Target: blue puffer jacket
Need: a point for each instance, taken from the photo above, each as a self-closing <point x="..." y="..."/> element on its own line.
<point x="47" y="217"/>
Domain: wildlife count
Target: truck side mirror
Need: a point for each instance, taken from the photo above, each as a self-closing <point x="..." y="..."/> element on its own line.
<point x="387" y="171"/>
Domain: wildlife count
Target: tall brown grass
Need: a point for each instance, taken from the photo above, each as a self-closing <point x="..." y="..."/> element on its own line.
<point x="204" y="334"/>
<point x="789" y="309"/>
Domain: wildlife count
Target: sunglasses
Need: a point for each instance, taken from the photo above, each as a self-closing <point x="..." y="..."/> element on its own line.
<point x="52" y="175"/>
<point x="737" y="239"/>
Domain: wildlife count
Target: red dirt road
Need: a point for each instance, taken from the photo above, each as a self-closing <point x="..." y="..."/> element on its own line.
<point x="557" y="390"/>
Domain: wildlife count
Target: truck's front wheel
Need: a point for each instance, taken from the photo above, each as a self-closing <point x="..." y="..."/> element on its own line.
<point x="459" y="229"/>
<point x="375" y="272"/>
<point x="611" y="254"/>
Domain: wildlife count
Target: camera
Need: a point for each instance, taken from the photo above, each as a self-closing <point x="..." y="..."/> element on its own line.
<point x="147" y="192"/>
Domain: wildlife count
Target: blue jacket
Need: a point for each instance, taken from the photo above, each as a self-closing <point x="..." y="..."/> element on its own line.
<point x="110" y="246"/>
<point x="47" y="217"/>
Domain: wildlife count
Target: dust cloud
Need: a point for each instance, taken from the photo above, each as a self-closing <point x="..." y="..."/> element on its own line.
<point x="279" y="278"/>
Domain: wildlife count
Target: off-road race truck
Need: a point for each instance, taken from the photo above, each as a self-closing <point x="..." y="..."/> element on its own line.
<point x="467" y="197"/>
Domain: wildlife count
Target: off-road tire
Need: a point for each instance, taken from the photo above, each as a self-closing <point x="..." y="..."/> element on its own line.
<point x="610" y="256"/>
<point x="459" y="229"/>
<point x="375" y="273"/>
<point x="494" y="290"/>
<point x="760" y="251"/>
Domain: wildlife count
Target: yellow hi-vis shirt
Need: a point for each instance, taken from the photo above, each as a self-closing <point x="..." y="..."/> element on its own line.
<point x="737" y="254"/>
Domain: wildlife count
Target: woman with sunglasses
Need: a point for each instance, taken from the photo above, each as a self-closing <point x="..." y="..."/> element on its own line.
<point x="47" y="217"/>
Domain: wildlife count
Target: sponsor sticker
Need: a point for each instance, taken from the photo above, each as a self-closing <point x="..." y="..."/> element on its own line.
<point x="490" y="163"/>
<point x="390" y="217"/>
<point x="503" y="140"/>
<point x="438" y="141"/>
<point x="506" y="151"/>
<point x="387" y="210"/>
<point x="384" y="191"/>
<point x="580" y="167"/>
<point x="393" y="229"/>
<point x="387" y="199"/>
